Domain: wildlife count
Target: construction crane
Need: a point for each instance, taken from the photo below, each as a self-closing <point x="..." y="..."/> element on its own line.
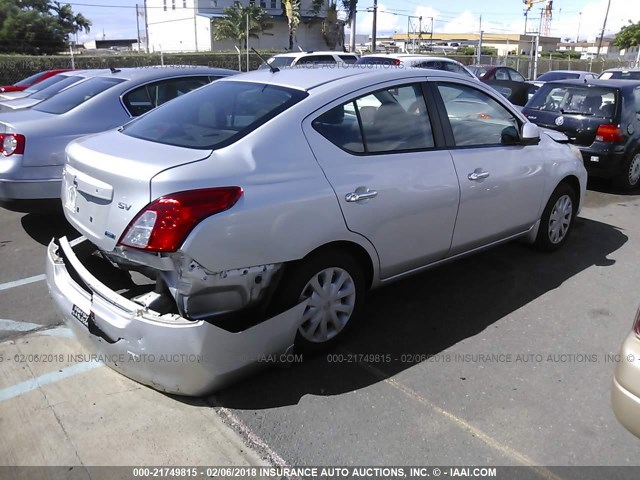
<point x="546" y="14"/>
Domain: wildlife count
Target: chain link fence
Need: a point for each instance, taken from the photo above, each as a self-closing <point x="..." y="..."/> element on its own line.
<point x="14" y="68"/>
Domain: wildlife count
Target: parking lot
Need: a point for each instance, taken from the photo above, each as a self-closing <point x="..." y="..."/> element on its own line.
<point x="503" y="358"/>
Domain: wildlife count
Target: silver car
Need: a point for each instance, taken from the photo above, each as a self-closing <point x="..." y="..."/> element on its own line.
<point x="251" y="216"/>
<point x="32" y="141"/>
<point x="64" y="81"/>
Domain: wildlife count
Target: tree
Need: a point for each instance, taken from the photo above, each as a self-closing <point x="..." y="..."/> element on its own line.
<point x="291" y="9"/>
<point x="234" y="24"/>
<point x="629" y="36"/>
<point x="38" y="26"/>
<point x="350" y="6"/>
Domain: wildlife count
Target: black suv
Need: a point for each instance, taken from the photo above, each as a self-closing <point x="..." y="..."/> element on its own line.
<point x="601" y="118"/>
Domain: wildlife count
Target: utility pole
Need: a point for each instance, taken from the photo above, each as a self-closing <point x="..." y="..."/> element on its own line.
<point x="374" y="26"/>
<point x="419" y="35"/>
<point x="137" y="26"/>
<point x="195" y="23"/>
<point x="247" y="42"/>
<point x="353" y="33"/>
<point x="146" y="29"/>
<point x="535" y="53"/>
<point x="480" y="43"/>
<point x="603" y="27"/>
<point x="579" y="22"/>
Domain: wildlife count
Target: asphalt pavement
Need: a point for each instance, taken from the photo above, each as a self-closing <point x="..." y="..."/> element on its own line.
<point x="502" y="358"/>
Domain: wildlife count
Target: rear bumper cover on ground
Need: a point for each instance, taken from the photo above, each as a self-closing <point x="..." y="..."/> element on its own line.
<point x="167" y="352"/>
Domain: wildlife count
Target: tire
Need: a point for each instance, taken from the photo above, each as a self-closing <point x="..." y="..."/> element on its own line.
<point x="557" y="219"/>
<point x="630" y="176"/>
<point x="330" y="313"/>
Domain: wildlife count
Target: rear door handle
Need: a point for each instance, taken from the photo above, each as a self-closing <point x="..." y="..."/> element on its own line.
<point x="360" y="195"/>
<point x="477" y="174"/>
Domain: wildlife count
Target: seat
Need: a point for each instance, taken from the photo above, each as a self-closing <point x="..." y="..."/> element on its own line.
<point x="591" y="104"/>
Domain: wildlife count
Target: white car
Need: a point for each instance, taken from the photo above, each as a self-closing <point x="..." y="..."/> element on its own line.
<point x="292" y="59"/>
<point x="250" y="217"/>
<point x="416" y="61"/>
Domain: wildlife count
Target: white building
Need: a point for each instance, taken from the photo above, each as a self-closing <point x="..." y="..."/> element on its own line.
<point x="188" y="26"/>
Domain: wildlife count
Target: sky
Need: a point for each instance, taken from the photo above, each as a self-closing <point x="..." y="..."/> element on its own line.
<point x="117" y="18"/>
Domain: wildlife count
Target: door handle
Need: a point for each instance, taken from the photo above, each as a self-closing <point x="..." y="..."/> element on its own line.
<point x="357" y="196"/>
<point x="477" y="174"/>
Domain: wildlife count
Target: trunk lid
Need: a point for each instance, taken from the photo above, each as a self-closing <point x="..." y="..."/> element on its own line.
<point x="579" y="129"/>
<point x="107" y="181"/>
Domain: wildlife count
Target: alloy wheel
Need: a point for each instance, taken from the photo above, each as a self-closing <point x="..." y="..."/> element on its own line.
<point x="560" y="219"/>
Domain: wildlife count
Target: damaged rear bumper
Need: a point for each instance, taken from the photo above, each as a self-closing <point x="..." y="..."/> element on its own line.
<point x="167" y="352"/>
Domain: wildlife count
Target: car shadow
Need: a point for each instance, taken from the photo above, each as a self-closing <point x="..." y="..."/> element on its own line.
<point x="426" y="314"/>
<point x="45" y="225"/>
<point x="606" y="186"/>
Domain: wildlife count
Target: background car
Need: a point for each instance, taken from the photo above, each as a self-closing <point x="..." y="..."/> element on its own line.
<point x="625" y="395"/>
<point x="601" y="118"/>
<point x="291" y="59"/>
<point x="620" y="74"/>
<point x="563" y="75"/>
<point x="262" y="207"/>
<point x="416" y="61"/>
<point x="506" y="80"/>
<point x="32" y="80"/>
<point x="46" y="83"/>
<point x="37" y="95"/>
<point x="34" y="139"/>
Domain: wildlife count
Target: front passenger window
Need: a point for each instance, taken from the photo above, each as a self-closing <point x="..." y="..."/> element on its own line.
<point x="476" y="119"/>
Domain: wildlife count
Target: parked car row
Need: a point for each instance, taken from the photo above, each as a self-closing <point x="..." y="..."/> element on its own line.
<point x="251" y="214"/>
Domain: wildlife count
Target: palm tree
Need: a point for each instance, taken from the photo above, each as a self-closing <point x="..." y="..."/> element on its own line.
<point x="234" y="24"/>
<point x="291" y="9"/>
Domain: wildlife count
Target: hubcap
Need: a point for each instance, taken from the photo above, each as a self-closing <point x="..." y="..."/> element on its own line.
<point x="560" y="219"/>
<point x="331" y="296"/>
<point x="634" y="170"/>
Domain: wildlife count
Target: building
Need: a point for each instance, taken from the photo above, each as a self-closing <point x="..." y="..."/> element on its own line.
<point x="504" y="44"/>
<point x="102" y="44"/>
<point x="589" y="50"/>
<point x="189" y="25"/>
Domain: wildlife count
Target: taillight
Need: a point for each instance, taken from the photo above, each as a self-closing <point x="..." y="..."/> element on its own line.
<point x="636" y="323"/>
<point x="163" y="225"/>
<point x="11" y="143"/>
<point x="609" y="133"/>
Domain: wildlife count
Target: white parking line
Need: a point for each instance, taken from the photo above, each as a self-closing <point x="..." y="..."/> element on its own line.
<point x="46" y="379"/>
<point x="24" y="281"/>
<point x="13" y="326"/>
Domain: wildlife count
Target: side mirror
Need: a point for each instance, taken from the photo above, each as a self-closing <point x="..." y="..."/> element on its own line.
<point x="509" y="136"/>
<point x="530" y="134"/>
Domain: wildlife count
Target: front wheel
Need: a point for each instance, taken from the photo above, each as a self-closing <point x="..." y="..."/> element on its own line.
<point x="557" y="218"/>
<point x="630" y="175"/>
<point x="333" y="284"/>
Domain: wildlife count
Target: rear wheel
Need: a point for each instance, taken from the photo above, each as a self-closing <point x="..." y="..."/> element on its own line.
<point x="630" y="175"/>
<point x="333" y="285"/>
<point x="557" y="218"/>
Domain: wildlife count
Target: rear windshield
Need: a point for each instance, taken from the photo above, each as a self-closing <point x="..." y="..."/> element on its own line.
<point x="550" y="76"/>
<point x="478" y="71"/>
<point x="45" y="83"/>
<point x="621" y="75"/>
<point x="278" y="62"/>
<point x="576" y="100"/>
<point x="51" y="90"/>
<point x="215" y="115"/>
<point x="77" y="95"/>
<point x="25" y="82"/>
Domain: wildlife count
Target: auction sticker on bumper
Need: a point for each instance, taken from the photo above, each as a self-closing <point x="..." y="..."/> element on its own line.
<point x="80" y="315"/>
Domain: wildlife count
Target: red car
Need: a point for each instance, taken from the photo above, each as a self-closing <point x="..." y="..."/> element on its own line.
<point x="32" y="80"/>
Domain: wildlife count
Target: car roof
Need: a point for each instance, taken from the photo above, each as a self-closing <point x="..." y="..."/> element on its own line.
<point x="568" y="71"/>
<point x="319" y="52"/>
<point x="152" y="72"/>
<point x="309" y="77"/>
<point x="405" y="56"/>
<point x="622" y="70"/>
<point x="622" y="84"/>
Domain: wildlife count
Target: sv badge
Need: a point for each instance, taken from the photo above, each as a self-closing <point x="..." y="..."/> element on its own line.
<point x="124" y="206"/>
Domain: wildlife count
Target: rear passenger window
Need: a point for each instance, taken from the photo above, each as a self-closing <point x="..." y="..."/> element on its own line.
<point x="389" y="120"/>
<point x="316" y="59"/>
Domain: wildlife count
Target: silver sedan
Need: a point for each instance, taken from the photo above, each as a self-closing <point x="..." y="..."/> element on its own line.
<point x="253" y="214"/>
<point x="32" y="141"/>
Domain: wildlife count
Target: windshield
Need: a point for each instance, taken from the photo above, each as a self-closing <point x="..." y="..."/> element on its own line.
<point x="25" y="82"/>
<point x="478" y="71"/>
<point x="214" y="116"/>
<point x="621" y="75"/>
<point x="51" y="90"/>
<point x="77" y="95"/>
<point x="45" y="83"/>
<point x="550" y="76"/>
<point x="575" y="100"/>
<point x="377" y="61"/>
